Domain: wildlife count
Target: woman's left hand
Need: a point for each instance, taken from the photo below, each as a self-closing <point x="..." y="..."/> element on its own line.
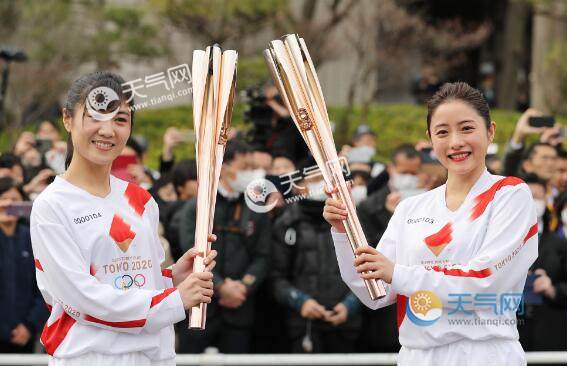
<point x="184" y="265"/>
<point x="372" y="264"/>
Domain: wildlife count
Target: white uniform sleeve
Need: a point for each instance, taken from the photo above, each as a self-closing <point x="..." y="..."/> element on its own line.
<point x="65" y="274"/>
<point x="508" y="250"/>
<point x="386" y="246"/>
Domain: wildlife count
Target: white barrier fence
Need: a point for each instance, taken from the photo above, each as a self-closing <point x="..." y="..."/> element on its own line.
<point x="534" y="358"/>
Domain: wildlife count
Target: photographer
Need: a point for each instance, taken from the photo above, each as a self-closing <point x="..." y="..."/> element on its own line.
<point x="539" y="158"/>
<point x="273" y="128"/>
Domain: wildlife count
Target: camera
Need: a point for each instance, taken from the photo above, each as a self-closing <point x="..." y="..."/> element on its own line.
<point x="257" y="111"/>
<point x="12" y="55"/>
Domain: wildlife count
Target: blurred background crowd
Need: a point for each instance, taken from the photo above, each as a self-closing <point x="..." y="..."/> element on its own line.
<point x="277" y="284"/>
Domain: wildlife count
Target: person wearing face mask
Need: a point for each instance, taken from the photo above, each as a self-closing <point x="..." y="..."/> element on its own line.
<point x="243" y="244"/>
<point x="374" y="214"/>
<point x="545" y="292"/>
<point x="359" y="175"/>
<point x="322" y="314"/>
<point x="363" y="149"/>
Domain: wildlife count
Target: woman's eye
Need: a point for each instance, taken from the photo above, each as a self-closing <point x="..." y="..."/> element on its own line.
<point x="441" y="133"/>
<point x="468" y="128"/>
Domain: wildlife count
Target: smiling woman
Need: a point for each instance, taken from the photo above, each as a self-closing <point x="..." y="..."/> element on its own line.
<point x="91" y="230"/>
<point x="474" y="250"/>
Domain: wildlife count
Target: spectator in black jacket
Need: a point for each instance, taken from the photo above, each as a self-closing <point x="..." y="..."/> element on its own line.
<point x="323" y="315"/>
<point x="543" y="321"/>
<point x="243" y="246"/>
<point x="23" y="310"/>
<point x="184" y="179"/>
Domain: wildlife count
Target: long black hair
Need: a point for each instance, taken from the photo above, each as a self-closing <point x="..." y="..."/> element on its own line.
<point x="81" y="88"/>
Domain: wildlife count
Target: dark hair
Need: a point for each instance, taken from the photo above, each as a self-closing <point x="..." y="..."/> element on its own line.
<point x="183" y="171"/>
<point x="53" y="124"/>
<point x="459" y="91"/>
<point x="132" y="143"/>
<point x="234" y="147"/>
<point x="9" y="160"/>
<point x="406" y="149"/>
<point x="80" y="89"/>
<point x="530" y="151"/>
<point x="7" y="183"/>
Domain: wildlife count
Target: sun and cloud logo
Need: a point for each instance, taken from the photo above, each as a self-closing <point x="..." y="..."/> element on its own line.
<point x="256" y="195"/>
<point x="424" y="308"/>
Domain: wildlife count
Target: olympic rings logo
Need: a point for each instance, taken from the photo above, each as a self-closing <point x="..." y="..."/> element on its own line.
<point x="126" y="281"/>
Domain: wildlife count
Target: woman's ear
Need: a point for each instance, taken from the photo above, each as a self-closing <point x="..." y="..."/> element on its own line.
<point x="67" y="119"/>
<point x="492" y="131"/>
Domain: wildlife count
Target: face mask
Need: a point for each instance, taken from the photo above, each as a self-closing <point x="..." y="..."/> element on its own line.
<point x="316" y="192"/>
<point x="258" y="174"/>
<point x="362" y="154"/>
<point x="243" y="178"/>
<point x="359" y="194"/>
<point x="404" y="182"/>
<point x="540" y="208"/>
<point x="56" y="161"/>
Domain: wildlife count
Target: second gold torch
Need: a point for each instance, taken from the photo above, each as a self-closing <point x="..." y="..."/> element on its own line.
<point x="295" y="77"/>
<point x="214" y="83"/>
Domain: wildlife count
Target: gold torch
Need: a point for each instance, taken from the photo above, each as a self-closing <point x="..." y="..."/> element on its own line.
<point x="214" y="84"/>
<point x="294" y="74"/>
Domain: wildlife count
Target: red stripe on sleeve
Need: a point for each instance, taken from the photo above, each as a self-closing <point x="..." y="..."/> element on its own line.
<point x="167" y="273"/>
<point x="53" y="335"/>
<point x="38" y="265"/>
<point x="483" y="199"/>
<point x="159" y="298"/>
<point x="483" y="273"/>
<point x="401" y="303"/>
<point x="531" y="232"/>
<point x="126" y="324"/>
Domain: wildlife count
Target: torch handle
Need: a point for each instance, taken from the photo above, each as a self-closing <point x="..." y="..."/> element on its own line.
<point x="354" y="232"/>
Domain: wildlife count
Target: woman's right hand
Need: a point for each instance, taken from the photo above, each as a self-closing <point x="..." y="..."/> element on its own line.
<point x="335" y="212"/>
<point x="196" y="288"/>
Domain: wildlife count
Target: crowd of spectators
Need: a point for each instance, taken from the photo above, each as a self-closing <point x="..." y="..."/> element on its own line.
<point x="277" y="283"/>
